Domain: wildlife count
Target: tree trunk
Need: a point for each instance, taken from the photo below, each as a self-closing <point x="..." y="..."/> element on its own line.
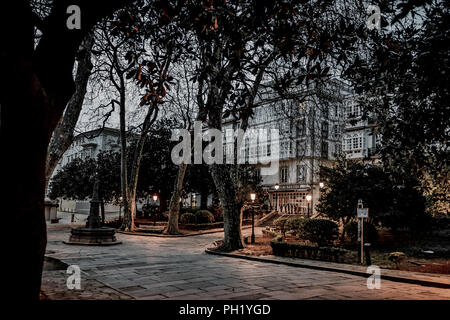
<point x="174" y="207"/>
<point x="25" y="130"/>
<point x="149" y="120"/>
<point x="128" y="221"/>
<point x="36" y="84"/>
<point x="226" y="189"/>
<point x="63" y="135"/>
<point x="230" y="207"/>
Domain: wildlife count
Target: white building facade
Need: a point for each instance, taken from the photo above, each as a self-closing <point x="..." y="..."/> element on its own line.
<point x="310" y="136"/>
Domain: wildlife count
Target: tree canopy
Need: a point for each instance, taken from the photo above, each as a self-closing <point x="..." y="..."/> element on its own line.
<point x="393" y="201"/>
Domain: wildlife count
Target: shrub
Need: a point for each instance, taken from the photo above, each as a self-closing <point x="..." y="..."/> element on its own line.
<point x="296" y="250"/>
<point x="320" y="231"/>
<point x="370" y="232"/>
<point x="294" y="223"/>
<point x="204" y="216"/>
<point x="187" y="218"/>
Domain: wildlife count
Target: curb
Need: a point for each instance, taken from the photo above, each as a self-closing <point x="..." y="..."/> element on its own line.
<point x="174" y="235"/>
<point x="424" y="283"/>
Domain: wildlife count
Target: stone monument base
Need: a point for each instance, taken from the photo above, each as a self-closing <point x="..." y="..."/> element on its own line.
<point x="93" y="236"/>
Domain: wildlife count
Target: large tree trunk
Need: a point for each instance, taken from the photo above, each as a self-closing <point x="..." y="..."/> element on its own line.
<point x="23" y="189"/>
<point x="36" y="84"/>
<point x="230" y="207"/>
<point x="25" y="130"/>
<point x="227" y="195"/>
<point x="63" y="135"/>
<point x="174" y="207"/>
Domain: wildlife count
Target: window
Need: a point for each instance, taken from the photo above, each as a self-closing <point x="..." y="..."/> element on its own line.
<point x="336" y="131"/>
<point x="300" y="149"/>
<point x="194" y="201"/>
<point x="284" y="174"/>
<point x="353" y="142"/>
<point x="300" y="127"/>
<point x="351" y="109"/>
<point x="325" y="130"/>
<point x="338" y="149"/>
<point x="247" y="151"/>
<point x="325" y="111"/>
<point x="301" y="173"/>
<point x="324" y="149"/>
<point x="357" y="142"/>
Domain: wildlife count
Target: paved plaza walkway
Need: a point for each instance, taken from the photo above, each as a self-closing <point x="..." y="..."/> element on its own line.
<point x="178" y="268"/>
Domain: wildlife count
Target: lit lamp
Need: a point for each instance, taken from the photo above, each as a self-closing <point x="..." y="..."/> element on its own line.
<point x="253" y="197"/>
<point x="155" y="198"/>
<point x="276" y="196"/>
<point x="120" y="206"/>
<point x="321" y="185"/>
<point x="308" y="198"/>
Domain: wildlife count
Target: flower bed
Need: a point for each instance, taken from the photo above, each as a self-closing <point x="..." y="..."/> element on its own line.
<point x="296" y="250"/>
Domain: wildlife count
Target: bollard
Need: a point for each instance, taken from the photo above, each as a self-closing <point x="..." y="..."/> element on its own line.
<point x="367" y="254"/>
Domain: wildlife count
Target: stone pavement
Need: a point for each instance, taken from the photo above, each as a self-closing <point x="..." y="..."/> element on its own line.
<point x="178" y="268"/>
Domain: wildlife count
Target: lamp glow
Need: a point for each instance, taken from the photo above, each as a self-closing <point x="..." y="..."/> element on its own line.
<point x="308" y="197"/>
<point x="253" y="196"/>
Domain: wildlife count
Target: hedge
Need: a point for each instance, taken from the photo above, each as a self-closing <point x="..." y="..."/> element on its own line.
<point x="296" y="250"/>
<point x="187" y="218"/>
<point x="320" y="231"/>
<point x="204" y="216"/>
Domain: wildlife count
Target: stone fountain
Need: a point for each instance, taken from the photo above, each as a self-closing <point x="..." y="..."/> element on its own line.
<point x="93" y="234"/>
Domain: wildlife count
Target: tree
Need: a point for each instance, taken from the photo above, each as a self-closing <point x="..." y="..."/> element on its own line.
<point x="76" y="179"/>
<point x="393" y="200"/>
<point x="139" y="47"/>
<point x="237" y="41"/>
<point x="37" y="83"/>
<point x="402" y="78"/>
<point x="157" y="170"/>
<point x="199" y="180"/>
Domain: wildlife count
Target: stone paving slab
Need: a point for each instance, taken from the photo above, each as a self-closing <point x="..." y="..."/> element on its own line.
<point x="427" y="279"/>
<point x="178" y="268"/>
<point x="54" y="287"/>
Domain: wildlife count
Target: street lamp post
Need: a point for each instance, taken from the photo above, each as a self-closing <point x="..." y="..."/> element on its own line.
<point x="308" y="198"/>
<point x="253" y="197"/>
<point x="276" y="196"/>
<point x="155" y="198"/>
<point x="120" y="206"/>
